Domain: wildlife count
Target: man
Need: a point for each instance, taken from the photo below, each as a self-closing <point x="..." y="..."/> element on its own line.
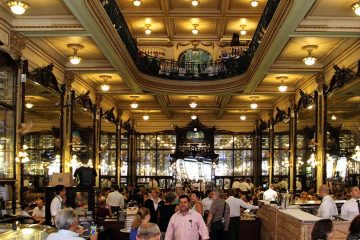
<point x="236" y="184"/>
<point x="39" y="211"/>
<point x="270" y="194"/>
<point x="153" y="183"/>
<point x="85" y="174"/>
<point x="206" y="202"/>
<point x="327" y="207"/>
<point x="235" y="205"/>
<point x="115" y="200"/>
<point x="67" y="223"/>
<point x="57" y="202"/>
<point x="148" y="231"/>
<point x="352" y="207"/>
<point x="186" y="224"/>
<point x="219" y="211"/>
<point x="153" y="203"/>
<point x="244" y="187"/>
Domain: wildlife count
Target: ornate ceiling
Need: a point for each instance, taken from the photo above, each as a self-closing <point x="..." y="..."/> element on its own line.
<point x="330" y="24"/>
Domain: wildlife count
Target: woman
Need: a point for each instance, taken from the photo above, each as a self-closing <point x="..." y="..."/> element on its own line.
<point x="142" y="217"/>
<point x="323" y="230"/>
<point x="354" y="229"/>
<point x="197" y="204"/>
<point x="165" y="212"/>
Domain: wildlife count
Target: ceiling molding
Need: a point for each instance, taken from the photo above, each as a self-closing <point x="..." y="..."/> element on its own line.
<point x="225" y="100"/>
<point x="162" y="101"/>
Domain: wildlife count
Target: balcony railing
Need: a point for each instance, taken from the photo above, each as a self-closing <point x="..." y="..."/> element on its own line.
<point x="172" y="69"/>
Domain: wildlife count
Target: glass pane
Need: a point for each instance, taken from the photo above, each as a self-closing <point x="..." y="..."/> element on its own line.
<point x="146" y="164"/>
<point x="166" y="141"/>
<point x="225" y="165"/>
<point x="265" y="141"/>
<point x="243" y="141"/>
<point x="146" y="141"/>
<point x="124" y="163"/>
<point x="265" y="157"/>
<point x="223" y="141"/>
<point x="164" y="168"/>
<point x="7" y="77"/>
<point x="243" y="162"/>
<point x="281" y="162"/>
<point x="107" y="162"/>
<point x="124" y="141"/>
<point x="6" y="143"/>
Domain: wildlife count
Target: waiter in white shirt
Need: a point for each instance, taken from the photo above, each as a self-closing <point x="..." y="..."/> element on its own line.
<point x="327" y="207"/>
<point x="57" y="202"/>
<point x="270" y="194"/>
<point x="352" y="207"/>
<point x="235" y="205"/>
<point x="115" y="200"/>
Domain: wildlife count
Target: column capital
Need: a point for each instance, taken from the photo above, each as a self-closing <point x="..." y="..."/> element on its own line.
<point x="17" y="44"/>
<point x="320" y="80"/>
<point x="69" y="78"/>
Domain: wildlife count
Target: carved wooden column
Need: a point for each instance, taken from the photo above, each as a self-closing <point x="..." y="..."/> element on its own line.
<point x="65" y="122"/>
<point x="118" y="145"/>
<point x="271" y="147"/>
<point x="257" y="154"/>
<point x="320" y="137"/>
<point x="292" y="143"/>
<point x="96" y="135"/>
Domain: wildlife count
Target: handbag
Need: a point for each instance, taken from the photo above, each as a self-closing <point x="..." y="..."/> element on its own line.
<point x="220" y="224"/>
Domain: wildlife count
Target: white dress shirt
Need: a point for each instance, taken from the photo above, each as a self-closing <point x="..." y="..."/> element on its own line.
<point x="236" y="184"/>
<point x="63" y="234"/>
<point x="206" y="202"/>
<point x="56" y="205"/>
<point x="350" y="208"/>
<point x="236" y="203"/>
<point x="244" y="187"/>
<point x="39" y="212"/>
<point x="270" y="195"/>
<point x="115" y="199"/>
<point x="327" y="208"/>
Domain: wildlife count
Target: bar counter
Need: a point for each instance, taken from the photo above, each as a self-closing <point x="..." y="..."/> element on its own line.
<point x="293" y="224"/>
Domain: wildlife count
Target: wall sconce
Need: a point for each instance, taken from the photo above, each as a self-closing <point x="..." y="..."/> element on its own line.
<point x="254" y="105"/>
<point x="243" y="30"/>
<point x="309" y="60"/>
<point x="195" y="30"/>
<point x="105" y="86"/>
<point x="134" y="104"/>
<point x="254" y="3"/>
<point x="147" y="30"/>
<point x="356" y="8"/>
<point x="17" y="7"/>
<point x="282" y="87"/>
<point x="137" y="3"/>
<point x="75" y="59"/>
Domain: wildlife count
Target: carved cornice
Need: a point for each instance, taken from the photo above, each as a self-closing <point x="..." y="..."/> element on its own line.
<point x="17" y="44"/>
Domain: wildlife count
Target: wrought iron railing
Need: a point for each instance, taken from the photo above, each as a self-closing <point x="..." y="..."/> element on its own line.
<point x="172" y="69"/>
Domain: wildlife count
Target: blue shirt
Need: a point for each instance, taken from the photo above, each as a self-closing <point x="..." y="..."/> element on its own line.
<point x="133" y="233"/>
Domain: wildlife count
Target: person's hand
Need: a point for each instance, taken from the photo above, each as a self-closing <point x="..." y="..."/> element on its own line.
<point x="94" y="237"/>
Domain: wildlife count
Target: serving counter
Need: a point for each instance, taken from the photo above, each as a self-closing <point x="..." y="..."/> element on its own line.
<point x="293" y="224"/>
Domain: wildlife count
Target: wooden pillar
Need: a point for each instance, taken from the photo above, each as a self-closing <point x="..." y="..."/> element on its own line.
<point x="292" y="143"/>
<point x="271" y="147"/>
<point x="257" y="155"/>
<point x="132" y="154"/>
<point x="65" y="123"/>
<point x="96" y="135"/>
<point x="320" y="137"/>
<point x="118" y="146"/>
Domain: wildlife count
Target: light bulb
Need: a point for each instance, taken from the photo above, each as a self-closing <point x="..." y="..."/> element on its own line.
<point x="195" y="31"/>
<point x="134" y="105"/>
<point x="195" y="2"/>
<point x="282" y="88"/>
<point x="148" y="31"/>
<point x="309" y="60"/>
<point x="137" y="3"/>
<point x="146" y="117"/>
<point x="243" y="32"/>
<point x="193" y="117"/>
<point x="254" y="105"/>
<point x="105" y="87"/>
<point x="254" y="3"/>
<point x="333" y="117"/>
<point x="29" y="105"/>
<point x="75" y="59"/>
<point x="242" y="117"/>
<point x="17" y="7"/>
<point x="193" y="104"/>
<point x="356" y="8"/>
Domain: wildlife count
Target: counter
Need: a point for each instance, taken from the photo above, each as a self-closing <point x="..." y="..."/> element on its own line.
<point x="293" y="224"/>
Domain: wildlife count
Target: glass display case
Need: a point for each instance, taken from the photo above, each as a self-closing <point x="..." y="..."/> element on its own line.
<point x="8" y="80"/>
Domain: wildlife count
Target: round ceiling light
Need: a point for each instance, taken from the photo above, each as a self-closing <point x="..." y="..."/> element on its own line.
<point x="254" y="105"/>
<point x="105" y="86"/>
<point x="137" y="3"/>
<point x="243" y="30"/>
<point x="29" y="105"/>
<point x="254" y="3"/>
<point x="242" y="117"/>
<point x="75" y="59"/>
<point x="309" y="59"/>
<point x="17" y="7"/>
<point x="146" y="117"/>
<point x="134" y="104"/>
<point x="333" y="117"/>
<point x="195" y="30"/>
<point x="282" y="87"/>
<point x="193" y="117"/>
<point x="195" y="3"/>
<point x="356" y="8"/>
<point x="147" y="30"/>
